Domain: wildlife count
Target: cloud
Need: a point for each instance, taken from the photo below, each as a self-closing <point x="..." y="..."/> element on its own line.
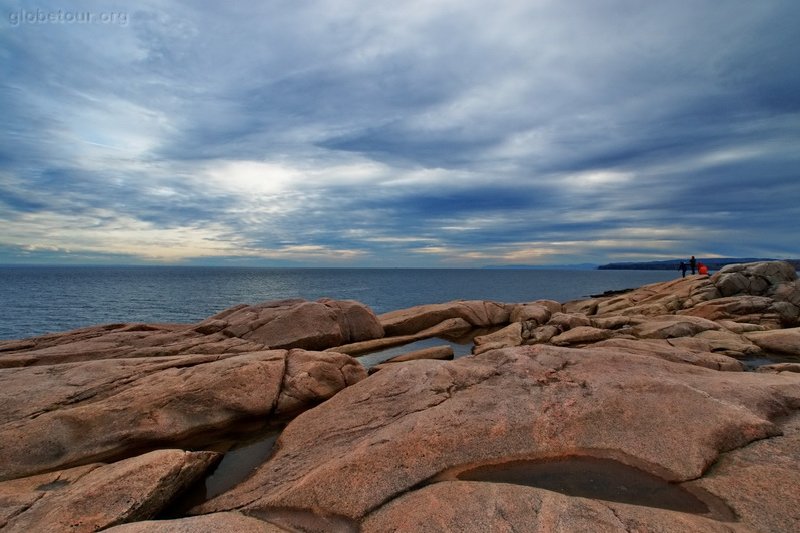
<point x="419" y="133"/>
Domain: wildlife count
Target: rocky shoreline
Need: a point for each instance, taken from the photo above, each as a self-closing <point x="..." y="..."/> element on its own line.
<point x="106" y="426"/>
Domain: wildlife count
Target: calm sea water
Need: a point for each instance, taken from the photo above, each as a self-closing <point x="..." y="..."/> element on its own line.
<point x="41" y="299"/>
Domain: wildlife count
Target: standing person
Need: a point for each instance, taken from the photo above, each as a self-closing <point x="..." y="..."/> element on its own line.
<point x="683" y="269"/>
<point x="693" y="264"/>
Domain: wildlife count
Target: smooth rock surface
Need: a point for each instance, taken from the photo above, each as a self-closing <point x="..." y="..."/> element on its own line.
<point x="760" y="481"/>
<point x="403" y="425"/>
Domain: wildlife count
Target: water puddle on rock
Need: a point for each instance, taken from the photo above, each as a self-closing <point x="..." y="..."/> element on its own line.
<point x="752" y="363"/>
<point x="243" y="454"/>
<point x="462" y="346"/>
<point x="600" y="479"/>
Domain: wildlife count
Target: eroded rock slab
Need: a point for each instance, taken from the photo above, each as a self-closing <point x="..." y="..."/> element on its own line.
<point x="97" y="496"/>
<point x="245" y="328"/>
<point x="83" y="412"/>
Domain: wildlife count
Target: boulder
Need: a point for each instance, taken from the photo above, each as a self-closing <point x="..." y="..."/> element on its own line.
<point x="538" y="314"/>
<point x="669" y="326"/>
<point x="76" y="413"/>
<point x="785" y="341"/>
<point x="753" y="278"/>
<point x="452" y="327"/>
<point x="615" y="322"/>
<point x="97" y="496"/>
<point x="299" y="323"/>
<point x="313" y="377"/>
<point x="510" y="335"/>
<point x="543" y="334"/>
<point x="436" y="352"/>
<point x="581" y="335"/>
<point x="404" y="425"/>
<point x="566" y="321"/>
<point x="478" y="313"/>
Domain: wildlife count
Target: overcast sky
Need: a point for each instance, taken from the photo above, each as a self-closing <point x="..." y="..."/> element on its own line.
<point x="416" y="133"/>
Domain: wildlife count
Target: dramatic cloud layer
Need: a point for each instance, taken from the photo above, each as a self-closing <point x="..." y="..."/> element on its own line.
<point x="442" y="133"/>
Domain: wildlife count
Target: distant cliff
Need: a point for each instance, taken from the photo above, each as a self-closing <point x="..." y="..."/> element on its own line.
<point x="672" y="264"/>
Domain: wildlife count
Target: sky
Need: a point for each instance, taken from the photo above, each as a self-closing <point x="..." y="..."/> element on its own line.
<point x="436" y="133"/>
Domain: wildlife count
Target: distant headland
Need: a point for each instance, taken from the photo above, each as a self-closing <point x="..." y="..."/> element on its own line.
<point x="714" y="263"/>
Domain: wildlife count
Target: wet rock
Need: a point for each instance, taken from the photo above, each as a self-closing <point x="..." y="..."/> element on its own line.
<point x="211" y="523"/>
<point x="786" y="341"/>
<point x="63" y="415"/>
<point x="403" y="425"/>
<point x="478" y="313"/>
<point x="97" y="496"/>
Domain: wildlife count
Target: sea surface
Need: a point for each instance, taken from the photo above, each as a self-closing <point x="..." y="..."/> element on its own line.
<point x="40" y="299"/>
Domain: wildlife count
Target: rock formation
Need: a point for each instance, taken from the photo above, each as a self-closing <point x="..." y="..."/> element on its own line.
<point x="651" y="381"/>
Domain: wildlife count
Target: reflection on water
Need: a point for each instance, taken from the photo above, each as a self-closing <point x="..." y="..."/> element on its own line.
<point x="591" y="477"/>
<point x="752" y="363"/>
<point x="238" y="463"/>
<point x="243" y="452"/>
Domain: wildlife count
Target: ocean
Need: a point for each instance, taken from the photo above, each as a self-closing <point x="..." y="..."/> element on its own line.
<point x="40" y="299"/>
